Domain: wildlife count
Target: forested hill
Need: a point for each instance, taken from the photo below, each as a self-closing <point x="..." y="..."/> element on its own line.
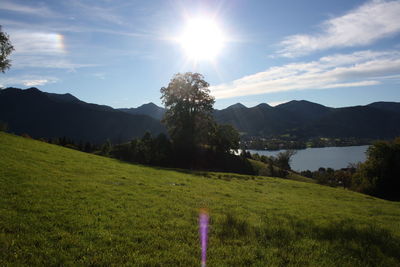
<point x="40" y="114"/>
<point x="307" y="119"/>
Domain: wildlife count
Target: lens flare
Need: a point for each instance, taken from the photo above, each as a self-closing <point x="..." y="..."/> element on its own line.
<point x="203" y="228"/>
<point x="60" y="43"/>
<point x="202" y="39"/>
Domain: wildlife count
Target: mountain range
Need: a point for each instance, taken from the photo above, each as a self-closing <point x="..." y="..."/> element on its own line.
<point x="304" y="119"/>
<point x="50" y="115"/>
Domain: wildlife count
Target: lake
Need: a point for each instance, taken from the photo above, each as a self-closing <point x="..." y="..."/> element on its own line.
<point x="313" y="158"/>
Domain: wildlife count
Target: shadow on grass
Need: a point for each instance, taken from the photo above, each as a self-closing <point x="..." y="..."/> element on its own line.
<point x="343" y="240"/>
<point x="212" y="174"/>
<point x="368" y="243"/>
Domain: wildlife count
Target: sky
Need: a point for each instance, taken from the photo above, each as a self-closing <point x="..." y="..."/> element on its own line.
<point x="120" y="53"/>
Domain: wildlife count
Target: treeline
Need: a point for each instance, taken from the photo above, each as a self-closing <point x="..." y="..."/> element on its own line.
<point x="146" y="150"/>
<point x="70" y="143"/>
<point x="160" y="151"/>
<point x="336" y="178"/>
<point x="278" y="166"/>
<point x="378" y="176"/>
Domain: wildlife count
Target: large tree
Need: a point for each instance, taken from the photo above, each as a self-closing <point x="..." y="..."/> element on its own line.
<point x="225" y="138"/>
<point x="189" y="108"/>
<point x="5" y="50"/>
<point x="379" y="175"/>
<point x="284" y="158"/>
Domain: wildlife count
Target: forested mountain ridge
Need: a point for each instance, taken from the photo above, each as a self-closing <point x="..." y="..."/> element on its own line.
<point x="149" y="109"/>
<point x="41" y="114"/>
<point x="304" y="119"/>
<point x="46" y="115"/>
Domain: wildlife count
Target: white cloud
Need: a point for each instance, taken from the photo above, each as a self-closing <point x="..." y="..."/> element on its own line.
<point x="43" y="61"/>
<point x="368" y="23"/>
<point x="30" y="42"/>
<point x="26" y="9"/>
<point x="27" y="80"/>
<point x="45" y="48"/>
<point x="35" y="82"/>
<point x="97" y="12"/>
<point x="363" y="68"/>
<point x="60" y="26"/>
<point x="43" y="43"/>
<point x="40" y="50"/>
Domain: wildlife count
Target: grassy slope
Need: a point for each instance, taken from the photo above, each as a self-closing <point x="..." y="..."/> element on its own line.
<point x="63" y="207"/>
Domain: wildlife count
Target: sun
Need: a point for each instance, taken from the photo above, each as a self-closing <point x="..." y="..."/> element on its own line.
<point x="202" y="39"/>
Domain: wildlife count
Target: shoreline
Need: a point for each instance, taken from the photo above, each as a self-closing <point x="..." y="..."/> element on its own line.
<point x="283" y="149"/>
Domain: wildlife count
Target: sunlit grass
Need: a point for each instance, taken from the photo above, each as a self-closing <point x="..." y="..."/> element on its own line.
<point x="63" y="207"/>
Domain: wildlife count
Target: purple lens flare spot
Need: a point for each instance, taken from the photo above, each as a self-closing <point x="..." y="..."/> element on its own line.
<point x="203" y="224"/>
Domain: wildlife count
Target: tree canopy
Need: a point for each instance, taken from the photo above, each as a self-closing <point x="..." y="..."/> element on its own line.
<point x="5" y="50"/>
<point x="189" y="108"/>
<point x="197" y="141"/>
<point x="284" y="158"/>
<point x="379" y="175"/>
<point x="225" y="138"/>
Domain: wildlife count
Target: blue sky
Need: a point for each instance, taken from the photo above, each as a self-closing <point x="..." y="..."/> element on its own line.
<point x="120" y="53"/>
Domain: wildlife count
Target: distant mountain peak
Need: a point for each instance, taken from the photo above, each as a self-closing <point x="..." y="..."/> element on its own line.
<point x="150" y="105"/>
<point x="149" y="109"/>
<point x="263" y="105"/>
<point x="299" y="104"/>
<point x="13" y="90"/>
<point x="32" y="89"/>
<point x="237" y="106"/>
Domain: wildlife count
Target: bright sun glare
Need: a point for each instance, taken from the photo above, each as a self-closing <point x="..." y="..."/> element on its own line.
<point x="202" y="39"/>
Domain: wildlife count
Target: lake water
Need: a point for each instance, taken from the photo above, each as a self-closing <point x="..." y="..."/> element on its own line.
<point x="313" y="158"/>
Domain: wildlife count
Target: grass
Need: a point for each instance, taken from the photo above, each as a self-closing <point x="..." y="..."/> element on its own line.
<point x="61" y="207"/>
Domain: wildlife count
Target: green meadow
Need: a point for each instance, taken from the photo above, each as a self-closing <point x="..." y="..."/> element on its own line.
<point x="61" y="207"/>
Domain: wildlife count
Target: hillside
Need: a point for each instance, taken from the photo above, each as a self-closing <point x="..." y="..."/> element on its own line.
<point x="64" y="207"/>
<point x="48" y="115"/>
